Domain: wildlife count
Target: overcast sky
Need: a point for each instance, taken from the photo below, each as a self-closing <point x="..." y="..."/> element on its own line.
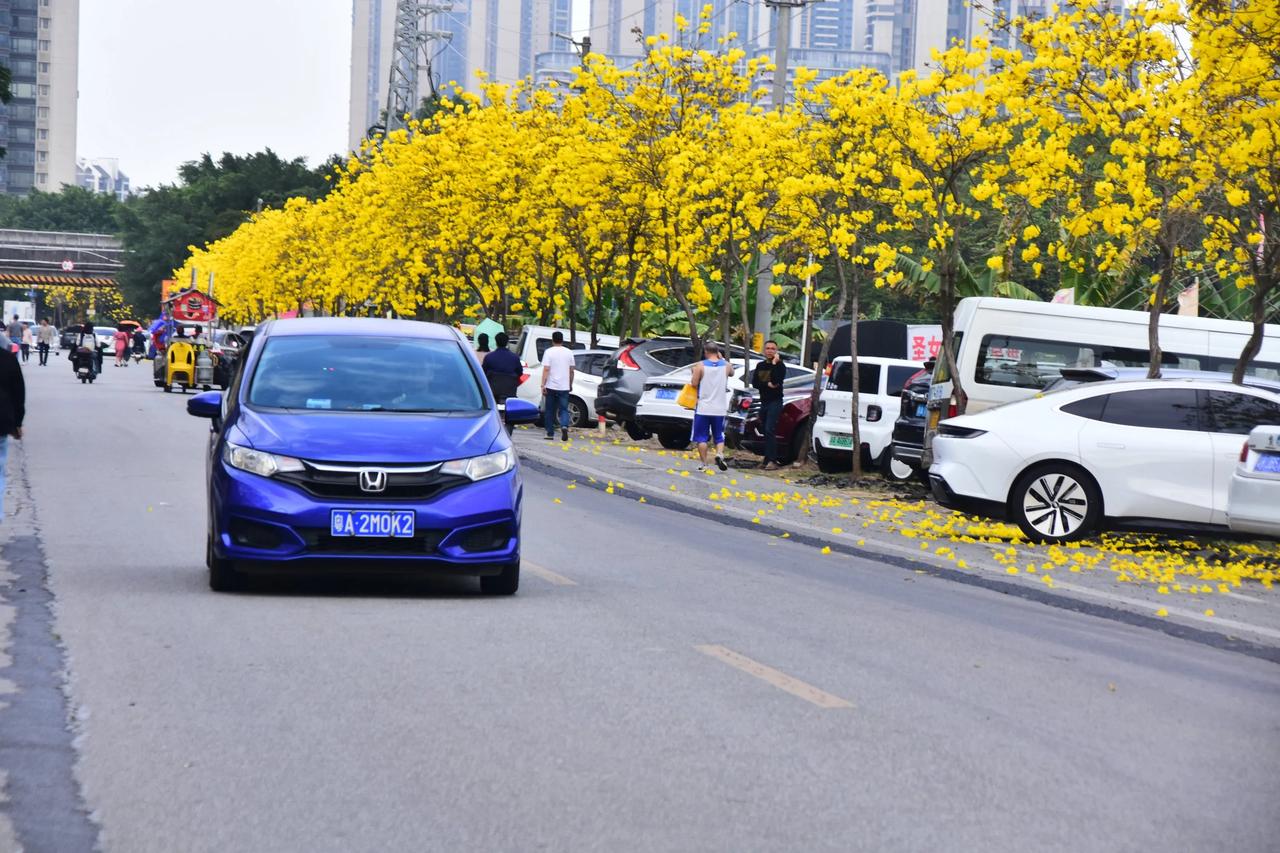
<point x="163" y="81"/>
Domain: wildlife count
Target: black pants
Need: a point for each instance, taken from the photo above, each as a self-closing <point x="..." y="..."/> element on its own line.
<point x="43" y="350"/>
<point x="770" y="411"/>
<point x="26" y="351"/>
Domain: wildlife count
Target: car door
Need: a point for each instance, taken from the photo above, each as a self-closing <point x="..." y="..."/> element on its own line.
<point x="1149" y="454"/>
<point x="1232" y="416"/>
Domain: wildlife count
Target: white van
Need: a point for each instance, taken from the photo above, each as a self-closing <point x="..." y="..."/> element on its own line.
<point x="880" y="382"/>
<point x="1010" y="349"/>
<point x="534" y="341"/>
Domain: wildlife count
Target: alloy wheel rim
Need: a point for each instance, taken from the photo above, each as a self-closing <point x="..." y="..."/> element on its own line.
<point x="1055" y="505"/>
<point x="900" y="470"/>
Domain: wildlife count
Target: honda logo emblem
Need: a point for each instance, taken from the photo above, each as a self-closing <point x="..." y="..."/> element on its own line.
<point x="373" y="480"/>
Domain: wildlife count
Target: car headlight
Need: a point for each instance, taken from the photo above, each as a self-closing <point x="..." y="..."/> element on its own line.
<point x="481" y="467"/>
<point x="258" y="462"/>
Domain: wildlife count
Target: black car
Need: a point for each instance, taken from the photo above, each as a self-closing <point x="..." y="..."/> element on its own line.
<point x="908" y="429"/>
<point x="69" y="337"/>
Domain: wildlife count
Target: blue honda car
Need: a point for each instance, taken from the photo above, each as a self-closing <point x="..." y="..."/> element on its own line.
<point x="362" y="446"/>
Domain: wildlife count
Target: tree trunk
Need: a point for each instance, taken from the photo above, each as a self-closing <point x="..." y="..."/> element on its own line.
<point x="816" y="393"/>
<point x="1156" y="307"/>
<point x="855" y="383"/>
<point x="1262" y="287"/>
<point x="595" y="313"/>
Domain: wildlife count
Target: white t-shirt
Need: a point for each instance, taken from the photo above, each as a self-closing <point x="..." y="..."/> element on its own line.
<point x="556" y="362"/>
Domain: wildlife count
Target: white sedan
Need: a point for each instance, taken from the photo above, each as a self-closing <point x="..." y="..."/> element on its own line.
<point x="1061" y="465"/>
<point x="1253" y="502"/>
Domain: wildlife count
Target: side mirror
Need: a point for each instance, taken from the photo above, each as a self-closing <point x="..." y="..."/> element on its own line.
<point x="520" y="411"/>
<point x="205" y="405"/>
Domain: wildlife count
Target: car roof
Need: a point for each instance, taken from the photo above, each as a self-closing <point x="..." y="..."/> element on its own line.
<point x="879" y="359"/>
<point x="1089" y="389"/>
<point x="357" y="326"/>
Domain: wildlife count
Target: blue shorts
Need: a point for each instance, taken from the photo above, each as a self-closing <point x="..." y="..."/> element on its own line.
<point x="705" y="426"/>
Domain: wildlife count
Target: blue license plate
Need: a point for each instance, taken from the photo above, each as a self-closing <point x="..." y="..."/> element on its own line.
<point x="920" y="410"/>
<point x="666" y="393"/>
<point x="1269" y="462"/>
<point x="373" y="523"/>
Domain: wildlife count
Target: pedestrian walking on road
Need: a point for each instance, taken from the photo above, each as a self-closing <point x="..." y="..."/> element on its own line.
<point x="28" y="340"/>
<point x="482" y="345"/>
<point x="711" y="379"/>
<point x="557" y="380"/>
<point x="767" y="379"/>
<point x="121" y="338"/>
<point x="14" y="331"/>
<point x="13" y="407"/>
<point x="44" y="340"/>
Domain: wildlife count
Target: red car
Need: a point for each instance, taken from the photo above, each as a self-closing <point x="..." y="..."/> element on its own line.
<point x="790" y="431"/>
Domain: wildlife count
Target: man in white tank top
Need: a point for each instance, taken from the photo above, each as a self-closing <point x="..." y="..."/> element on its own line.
<point x="711" y="378"/>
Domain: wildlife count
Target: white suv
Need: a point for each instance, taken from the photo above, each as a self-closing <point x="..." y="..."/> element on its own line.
<point x="880" y="382"/>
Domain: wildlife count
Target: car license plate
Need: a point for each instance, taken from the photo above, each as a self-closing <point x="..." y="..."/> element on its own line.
<point x="666" y="394"/>
<point x="920" y="409"/>
<point x="1269" y="462"/>
<point x="842" y="441"/>
<point x="375" y="523"/>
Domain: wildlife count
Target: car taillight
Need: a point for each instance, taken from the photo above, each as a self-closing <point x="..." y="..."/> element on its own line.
<point x="1244" y="452"/>
<point x="873" y="414"/>
<point x="524" y="377"/>
<point x="822" y="408"/>
<point x="745" y="403"/>
<point x="952" y="410"/>
<point x="625" y="361"/>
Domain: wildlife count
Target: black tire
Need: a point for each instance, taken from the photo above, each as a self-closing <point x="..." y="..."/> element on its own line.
<point x="505" y="583"/>
<point x="223" y="576"/>
<point x="91" y="378"/>
<point x="674" y="440"/>
<point x="796" y="450"/>
<point x="578" y="415"/>
<point x="893" y="470"/>
<point x="634" y="431"/>
<point x="1056" y="502"/>
<point x="159" y="384"/>
<point x="168" y="389"/>
<point x="84" y="380"/>
<point x="834" y="463"/>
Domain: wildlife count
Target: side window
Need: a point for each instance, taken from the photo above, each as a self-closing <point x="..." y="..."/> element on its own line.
<point x="898" y="377"/>
<point x="1238" y="414"/>
<point x="868" y="377"/>
<point x="1089" y="407"/>
<point x="542" y="345"/>
<point x="1154" y="408"/>
<point x="672" y="356"/>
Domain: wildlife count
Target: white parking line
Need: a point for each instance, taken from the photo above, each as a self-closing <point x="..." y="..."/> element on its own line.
<point x="780" y="680"/>
<point x="548" y="575"/>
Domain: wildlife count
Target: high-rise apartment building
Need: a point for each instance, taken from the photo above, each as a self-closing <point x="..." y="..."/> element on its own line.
<point x="507" y="40"/>
<point x="39" y="43"/>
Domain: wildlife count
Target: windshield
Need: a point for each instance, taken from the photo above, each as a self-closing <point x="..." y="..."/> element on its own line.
<point x="364" y="374"/>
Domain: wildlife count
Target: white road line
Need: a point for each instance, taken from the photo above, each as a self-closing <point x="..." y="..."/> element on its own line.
<point x="548" y="575"/>
<point x="780" y="680"/>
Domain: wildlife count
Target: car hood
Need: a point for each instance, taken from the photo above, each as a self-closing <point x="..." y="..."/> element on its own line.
<point x="374" y="437"/>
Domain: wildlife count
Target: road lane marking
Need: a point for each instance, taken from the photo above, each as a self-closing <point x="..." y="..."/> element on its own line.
<point x="780" y="680"/>
<point x="548" y="575"/>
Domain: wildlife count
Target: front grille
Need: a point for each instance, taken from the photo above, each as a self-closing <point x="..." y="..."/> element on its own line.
<point x="343" y="482"/>
<point x="322" y="541"/>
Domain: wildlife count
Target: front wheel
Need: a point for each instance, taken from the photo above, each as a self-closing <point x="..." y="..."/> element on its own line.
<point x="674" y="440"/>
<point x="1056" y="502"/>
<point x="505" y="583"/>
<point x="223" y="576"/>
<point x="168" y="389"/>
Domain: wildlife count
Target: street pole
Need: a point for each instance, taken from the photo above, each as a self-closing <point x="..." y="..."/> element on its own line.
<point x="782" y="10"/>
<point x="804" y="329"/>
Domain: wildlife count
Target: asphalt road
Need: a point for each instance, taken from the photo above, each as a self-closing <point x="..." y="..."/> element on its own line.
<point x="661" y="682"/>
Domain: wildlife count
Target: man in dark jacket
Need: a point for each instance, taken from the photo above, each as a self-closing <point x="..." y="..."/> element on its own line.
<point x="13" y="407"/>
<point x="767" y="379"/>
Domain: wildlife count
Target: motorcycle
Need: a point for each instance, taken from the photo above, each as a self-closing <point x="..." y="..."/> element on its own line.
<point x="86" y="363"/>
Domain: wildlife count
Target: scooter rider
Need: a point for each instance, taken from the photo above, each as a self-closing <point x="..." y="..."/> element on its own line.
<point x="89" y="341"/>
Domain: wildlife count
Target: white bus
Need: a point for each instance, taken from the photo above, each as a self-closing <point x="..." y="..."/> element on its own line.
<point x="1009" y="349"/>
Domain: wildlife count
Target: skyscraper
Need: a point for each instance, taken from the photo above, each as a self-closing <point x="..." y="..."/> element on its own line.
<point x="39" y="43"/>
<point x="501" y="38"/>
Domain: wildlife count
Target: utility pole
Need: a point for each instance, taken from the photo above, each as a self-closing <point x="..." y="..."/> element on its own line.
<point x="782" y="10"/>
<point x="407" y="57"/>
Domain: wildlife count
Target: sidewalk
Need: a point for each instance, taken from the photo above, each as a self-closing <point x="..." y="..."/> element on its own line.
<point x="1185" y="584"/>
